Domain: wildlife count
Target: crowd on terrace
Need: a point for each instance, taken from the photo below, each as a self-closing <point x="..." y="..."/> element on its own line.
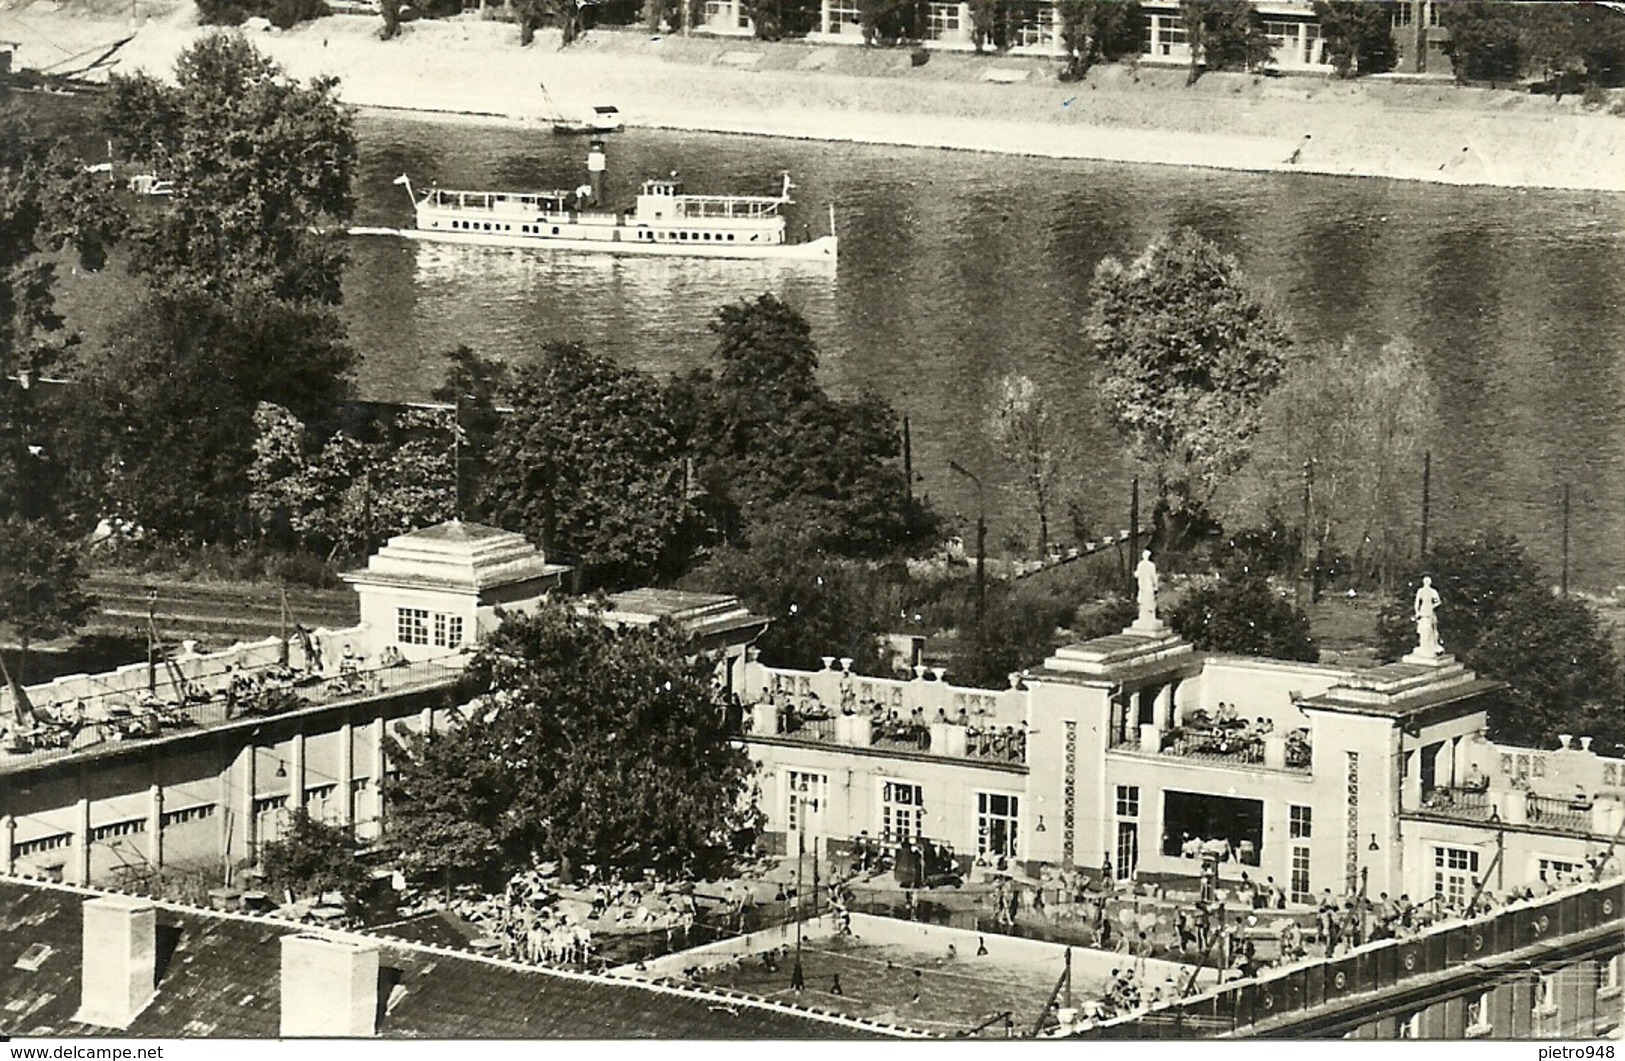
<point x="179" y="694"/>
<point x="808" y="715"/>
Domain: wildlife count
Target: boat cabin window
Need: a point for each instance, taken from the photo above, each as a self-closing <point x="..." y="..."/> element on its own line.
<point x="555" y="230"/>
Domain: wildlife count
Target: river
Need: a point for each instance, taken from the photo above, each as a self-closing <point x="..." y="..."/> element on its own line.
<point x="957" y="268"/>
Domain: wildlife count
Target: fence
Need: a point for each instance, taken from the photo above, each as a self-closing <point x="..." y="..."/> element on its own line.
<point x="102" y="720"/>
<point x="1240" y="1005"/>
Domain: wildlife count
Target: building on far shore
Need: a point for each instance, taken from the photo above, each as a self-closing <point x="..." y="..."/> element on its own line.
<point x="1290" y="23"/>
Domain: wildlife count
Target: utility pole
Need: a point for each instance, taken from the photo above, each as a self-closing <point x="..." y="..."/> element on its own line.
<point x="981" y="546"/>
<point x="1427" y="483"/>
<point x="1565" y="539"/>
<point x="1304" y="533"/>
<point x="908" y="459"/>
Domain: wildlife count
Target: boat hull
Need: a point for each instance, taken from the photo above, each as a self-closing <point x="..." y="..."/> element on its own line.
<point x="822" y="249"/>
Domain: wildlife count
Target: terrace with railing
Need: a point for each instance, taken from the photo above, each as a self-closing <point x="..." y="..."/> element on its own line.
<point x="1225" y="740"/>
<point x="200" y="695"/>
<point x="1581" y="813"/>
<point x="923" y="716"/>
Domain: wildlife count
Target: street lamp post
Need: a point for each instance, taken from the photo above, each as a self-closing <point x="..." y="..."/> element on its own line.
<point x="981" y="544"/>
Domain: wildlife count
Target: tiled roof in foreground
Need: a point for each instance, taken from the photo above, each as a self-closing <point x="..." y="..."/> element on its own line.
<point x="218" y="978"/>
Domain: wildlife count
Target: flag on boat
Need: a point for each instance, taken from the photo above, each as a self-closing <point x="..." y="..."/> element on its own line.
<point x="401" y="179"/>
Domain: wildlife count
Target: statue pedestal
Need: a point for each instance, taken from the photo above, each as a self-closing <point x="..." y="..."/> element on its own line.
<point x="1148" y="627"/>
<point x="1428" y="659"/>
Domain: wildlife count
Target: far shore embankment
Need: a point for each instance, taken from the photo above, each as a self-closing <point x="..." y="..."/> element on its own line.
<point x="1434" y="132"/>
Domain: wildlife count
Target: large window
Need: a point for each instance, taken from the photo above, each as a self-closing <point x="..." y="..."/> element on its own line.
<point x="902" y="811"/>
<point x="1402" y="15"/>
<point x="806" y="798"/>
<point x="419" y="626"/>
<point x="1454" y="870"/>
<point x="1193" y="818"/>
<point x="942" y="22"/>
<point x="997" y="823"/>
<point x="844" y="17"/>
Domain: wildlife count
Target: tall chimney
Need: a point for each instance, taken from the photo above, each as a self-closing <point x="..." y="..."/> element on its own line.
<point x="120" y="960"/>
<point x="329" y="988"/>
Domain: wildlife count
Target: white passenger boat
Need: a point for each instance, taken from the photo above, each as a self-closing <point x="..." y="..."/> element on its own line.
<point x="663" y="221"/>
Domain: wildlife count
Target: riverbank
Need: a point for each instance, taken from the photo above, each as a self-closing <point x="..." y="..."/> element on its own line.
<point x="1431" y="132"/>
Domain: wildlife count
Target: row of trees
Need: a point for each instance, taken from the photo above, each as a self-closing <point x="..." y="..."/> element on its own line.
<point x="1569" y="47"/>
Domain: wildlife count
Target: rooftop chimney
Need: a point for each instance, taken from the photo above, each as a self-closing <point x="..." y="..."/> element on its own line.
<point x="329" y="989"/>
<point x="120" y="960"/>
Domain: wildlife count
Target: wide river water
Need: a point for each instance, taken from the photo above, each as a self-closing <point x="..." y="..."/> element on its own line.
<point x="957" y="268"/>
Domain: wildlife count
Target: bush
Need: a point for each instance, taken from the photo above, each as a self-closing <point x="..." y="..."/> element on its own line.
<point x="920" y="55"/>
<point x="1595" y="97"/>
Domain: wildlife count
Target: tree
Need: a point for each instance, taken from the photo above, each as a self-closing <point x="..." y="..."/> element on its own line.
<point x="821" y="605"/>
<point x="771" y="447"/>
<point x="262" y="166"/>
<point x="1242" y="613"/>
<point x="1026" y="432"/>
<point x="586" y="464"/>
<point x="351" y="493"/>
<point x="609" y="748"/>
<point x="889" y="21"/>
<point x="1224" y="35"/>
<point x="1188" y="352"/>
<point x="312" y="857"/>
<point x="1498" y="616"/>
<point x="1360" y="420"/>
<point x="244" y="272"/>
<point x="1485" y="42"/>
<point x="472" y="386"/>
<point x="446" y="805"/>
<point x="1358" y="36"/>
<point x="41" y="584"/>
<point x="776" y="19"/>
<point x="391" y="12"/>
<point x="175" y="397"/>
<point x="1477" y="579"/>
<point x="1098" y="30"/>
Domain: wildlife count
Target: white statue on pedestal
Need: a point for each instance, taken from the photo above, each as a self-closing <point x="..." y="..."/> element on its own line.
<point x="1145" y="573"/>
<point x="1425" y="612"/>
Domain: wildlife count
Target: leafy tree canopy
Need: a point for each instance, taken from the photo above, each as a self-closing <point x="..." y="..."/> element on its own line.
<point x="1358" y="36"/>
<point x="1361" y="419"/>
<point x="173" y="403"/>
<point x="587" y="465"/>
<point x="312" y="857"/>
<point x="41" y="583"/>
<point x="1098" y="31"/>
<point x="1242" y="613"/>
<point x="349" y="494"/>
<point x="593" y="746"/>
<point x="1498" y="615"/>
<point x="262" y="166"/>
<point x="1188" y="352"/>
<point x="770" y="446"/>
<point x="1225" y="35"/>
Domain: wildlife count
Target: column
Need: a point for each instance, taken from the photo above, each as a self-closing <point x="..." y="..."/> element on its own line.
<point x="1164" y="716"/>
<point x="251" y="824"/>
<point x="78" y="868"/>
<point x="426" y="721"/>
<point x="966" y="33"/>
<point x="296" y="773"/>
<point x="346" y="791"/>
<point x="1302" y="57"/>
<point x="155" y="826"/>
<point x="378" y="767"/>
<point x="1155" y="22"/>
<point x="8" y="846"/>
<point x="823" y="16"/>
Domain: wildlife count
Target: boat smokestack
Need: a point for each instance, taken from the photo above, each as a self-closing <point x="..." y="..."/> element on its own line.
<point x="597" y="163"/>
